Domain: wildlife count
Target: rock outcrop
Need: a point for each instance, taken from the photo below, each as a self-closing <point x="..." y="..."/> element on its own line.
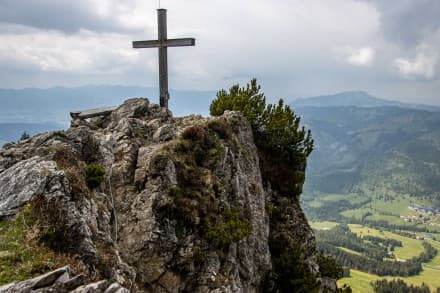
<point x="182" y="208"/>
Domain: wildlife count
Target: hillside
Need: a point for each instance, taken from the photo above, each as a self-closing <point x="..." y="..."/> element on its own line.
<point x="392" y="148"/>
<point x="372" y="188"/>
<point x="357" y="99"/>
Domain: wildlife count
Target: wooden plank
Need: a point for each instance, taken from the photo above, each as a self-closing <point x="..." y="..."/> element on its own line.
<point x="85" y="114"/>
<point x="181" y="42"/>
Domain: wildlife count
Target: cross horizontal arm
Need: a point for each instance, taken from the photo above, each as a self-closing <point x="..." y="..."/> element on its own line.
<point x="166" y="43"/>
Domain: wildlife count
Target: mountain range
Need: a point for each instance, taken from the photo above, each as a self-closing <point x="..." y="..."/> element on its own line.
<point x="38" y="110"/>
<point x="356" y="99"/>
<point x="364" y="143"/>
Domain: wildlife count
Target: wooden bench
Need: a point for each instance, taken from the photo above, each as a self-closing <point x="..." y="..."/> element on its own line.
<point x="90" y="113"/>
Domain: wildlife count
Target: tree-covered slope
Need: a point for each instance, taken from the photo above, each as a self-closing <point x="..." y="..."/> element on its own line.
<point x="387" y="149"/>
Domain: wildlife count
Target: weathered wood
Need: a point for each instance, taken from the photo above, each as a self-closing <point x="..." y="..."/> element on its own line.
<point x="182" y="42"/>
<point x="163" y="57"/>
<point x="163" y="43"/>
<point x="90" y="113"/>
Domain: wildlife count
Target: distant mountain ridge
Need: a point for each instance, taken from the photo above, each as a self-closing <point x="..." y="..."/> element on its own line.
<point x="357" y="99"/>
<point x="38" y="110"/>
<point x="362" y="148"/>
<point x="32" y="105"/>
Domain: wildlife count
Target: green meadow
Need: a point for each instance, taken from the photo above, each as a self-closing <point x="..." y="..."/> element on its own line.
<point x="389" y="211"/>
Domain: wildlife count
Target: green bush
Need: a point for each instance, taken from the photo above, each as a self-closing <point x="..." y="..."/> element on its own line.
<point x="94" y="175"/>
<point x="276" y="127"/>
<point x="231" y="229"/>
<point x="283" y="146"/>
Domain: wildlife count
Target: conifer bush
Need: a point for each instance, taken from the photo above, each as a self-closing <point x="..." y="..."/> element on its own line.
<point x="282" y="144"/>
<point x="94" y="175"/>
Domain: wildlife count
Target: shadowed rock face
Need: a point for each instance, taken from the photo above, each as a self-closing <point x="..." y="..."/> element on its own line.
<point x="149" y="226"/>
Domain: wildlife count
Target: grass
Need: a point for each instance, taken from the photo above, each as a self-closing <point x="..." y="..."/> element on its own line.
<point x="359" y="281"/>
<point x="21" y="255"/>
<point x="392" y="220"/>
<point x="411" y="247"/>
<point x="349" y="250"/>
<point x="323" y="225"/>
<point x="390" y="211"/>
<point x="357" y="213"/>
<point x="396" y="207"/>
<point x="353" y="198"/>
<point x="314" y="204"/>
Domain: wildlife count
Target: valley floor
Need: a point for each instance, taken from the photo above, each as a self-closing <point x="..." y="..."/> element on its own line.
<point x="368" y="217"/>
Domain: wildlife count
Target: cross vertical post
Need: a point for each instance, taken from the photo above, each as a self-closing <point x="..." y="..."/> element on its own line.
<point x="163" y="58"/>
<point x="163" y="43"/>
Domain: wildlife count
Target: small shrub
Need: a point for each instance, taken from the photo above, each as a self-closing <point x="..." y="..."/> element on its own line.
<point x="94" y="175"/>
<point x="196" y="133"/>
<point x="221" y="127"/>
<point x="24" y="135"/>
<point x="231" y="229"/>
<point x="64" y="157"/>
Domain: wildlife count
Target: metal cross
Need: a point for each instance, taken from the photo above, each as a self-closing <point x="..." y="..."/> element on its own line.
<point x="162" y="43"/>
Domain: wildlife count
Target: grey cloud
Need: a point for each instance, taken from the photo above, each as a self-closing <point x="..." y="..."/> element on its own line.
<point x="408" y="22"/>
<point x="66" y="16"/>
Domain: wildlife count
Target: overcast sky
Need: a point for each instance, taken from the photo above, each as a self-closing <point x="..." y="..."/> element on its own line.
<point x="296" y="48"/>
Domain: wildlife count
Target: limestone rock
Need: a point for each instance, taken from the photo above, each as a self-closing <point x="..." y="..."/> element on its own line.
<point x="128" y="232"/>
<point x="60" y="280"/>
<point x="21" y="182"/>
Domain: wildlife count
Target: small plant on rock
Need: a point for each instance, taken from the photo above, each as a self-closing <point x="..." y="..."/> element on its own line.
<point x="94" y="175"/>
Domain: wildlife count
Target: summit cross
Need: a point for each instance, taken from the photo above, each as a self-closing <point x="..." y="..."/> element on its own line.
<point x="163" y="43"/>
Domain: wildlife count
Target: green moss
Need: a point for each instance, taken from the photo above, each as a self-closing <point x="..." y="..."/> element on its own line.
<point x="22" y="256"/>
<point x="94" y="175"/>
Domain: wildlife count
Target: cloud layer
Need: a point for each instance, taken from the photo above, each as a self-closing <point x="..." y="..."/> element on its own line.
<point x="296" y="48"/>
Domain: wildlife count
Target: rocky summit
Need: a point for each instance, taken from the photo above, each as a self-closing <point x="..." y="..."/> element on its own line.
<point x="140" y="201"/>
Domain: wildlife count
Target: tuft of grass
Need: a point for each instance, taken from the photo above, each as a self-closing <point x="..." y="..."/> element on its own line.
<point x="22" y="256"/>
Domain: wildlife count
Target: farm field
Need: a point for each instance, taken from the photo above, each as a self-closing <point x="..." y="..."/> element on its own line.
<point x="323" y="225"/>
<point x="411" y="247"/>
<point x="361" y="214"/>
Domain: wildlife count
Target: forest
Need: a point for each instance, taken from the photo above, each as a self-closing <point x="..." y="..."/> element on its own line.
<point x="370" y="254"/>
